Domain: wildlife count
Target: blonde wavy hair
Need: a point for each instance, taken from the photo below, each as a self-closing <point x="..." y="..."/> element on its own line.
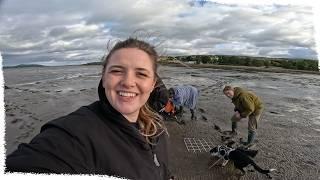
<point x="150" y="122"/>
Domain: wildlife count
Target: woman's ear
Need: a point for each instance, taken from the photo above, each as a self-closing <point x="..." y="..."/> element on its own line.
<point x="154" y="85"/>
<point x="155" y="81"/>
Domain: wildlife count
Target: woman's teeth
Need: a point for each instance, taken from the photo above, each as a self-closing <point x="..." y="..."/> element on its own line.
<point x="127" y="94"/>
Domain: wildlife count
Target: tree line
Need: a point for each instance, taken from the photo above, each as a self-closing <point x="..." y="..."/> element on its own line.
<point x="297" y="64"/>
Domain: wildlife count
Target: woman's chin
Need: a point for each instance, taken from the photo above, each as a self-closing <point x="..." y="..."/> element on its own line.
<point x="128" y="110"/>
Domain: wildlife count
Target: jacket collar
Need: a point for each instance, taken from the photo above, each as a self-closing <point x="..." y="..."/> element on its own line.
<point x="237" y="92"/>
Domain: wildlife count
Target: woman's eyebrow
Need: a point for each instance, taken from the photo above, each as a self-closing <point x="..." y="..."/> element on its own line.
<point x="143" y="69"/>
<point x="116" y="66"/>
<point x="136" y="69"/>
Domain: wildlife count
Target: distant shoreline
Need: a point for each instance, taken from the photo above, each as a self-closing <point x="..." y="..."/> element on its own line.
<point x="243" y="68"/>
<point x="212" y="66"/>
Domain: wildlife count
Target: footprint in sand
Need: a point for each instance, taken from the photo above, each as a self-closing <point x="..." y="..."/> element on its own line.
<point x="16" y="121"/>
<point x="311" y="163"/>
<point x="217" y="128"/>
<point x="23" y="136"/>
<point x="202" y="110"/>
<point x="204" y="117"/>
<point x="10" y="114"/>
<point x="35" y="118"/>
<point x="22" y="126"/>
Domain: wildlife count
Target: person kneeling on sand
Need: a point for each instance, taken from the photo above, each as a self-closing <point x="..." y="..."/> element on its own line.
<point x="117" y="135"/>
<point x="159" y="97"/>
<point x="247" y="104"/>
<point x="184" y="96"/>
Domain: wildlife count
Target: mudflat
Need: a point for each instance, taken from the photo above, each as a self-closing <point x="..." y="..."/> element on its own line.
<point x="287" y="137"/>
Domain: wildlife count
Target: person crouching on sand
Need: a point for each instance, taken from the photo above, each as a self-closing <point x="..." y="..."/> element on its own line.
<point x="159" y="96"/>
<point x="184" y="96"/>
<point x="117" y="135"/>
<point x="247" y="104"/>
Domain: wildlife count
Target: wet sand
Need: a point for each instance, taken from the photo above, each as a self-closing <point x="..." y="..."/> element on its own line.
<point x="288" y="134"/>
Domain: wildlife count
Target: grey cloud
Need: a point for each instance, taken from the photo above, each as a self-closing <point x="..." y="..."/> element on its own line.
<point x="57" y="31"/>
<point x="46" y="27"/>
<point x="300" y="52"/>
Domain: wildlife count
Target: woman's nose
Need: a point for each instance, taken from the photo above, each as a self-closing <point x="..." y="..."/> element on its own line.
<point x="128" y="80"/>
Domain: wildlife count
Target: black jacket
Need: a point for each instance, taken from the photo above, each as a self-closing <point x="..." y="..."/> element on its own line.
<point x="95" y="139"/>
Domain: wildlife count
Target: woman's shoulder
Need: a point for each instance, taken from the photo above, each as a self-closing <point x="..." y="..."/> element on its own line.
<point x="66" y="138"/>
<point x="77" y="121"/>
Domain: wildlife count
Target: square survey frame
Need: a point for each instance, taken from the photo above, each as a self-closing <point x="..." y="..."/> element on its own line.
<point x="198" y="144"/>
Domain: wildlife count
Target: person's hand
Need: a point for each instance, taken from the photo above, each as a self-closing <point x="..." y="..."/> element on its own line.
<point x="237" y="114"/>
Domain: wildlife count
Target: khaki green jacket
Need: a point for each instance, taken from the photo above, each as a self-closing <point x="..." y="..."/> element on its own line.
<point x="246" y="102"/>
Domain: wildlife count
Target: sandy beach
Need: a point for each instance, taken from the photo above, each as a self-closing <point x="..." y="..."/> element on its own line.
<point x="288" y="134"/>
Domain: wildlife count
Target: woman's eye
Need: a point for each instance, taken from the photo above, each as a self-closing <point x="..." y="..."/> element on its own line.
<point x="115" y="71"/>
<point x="142" y="75"/>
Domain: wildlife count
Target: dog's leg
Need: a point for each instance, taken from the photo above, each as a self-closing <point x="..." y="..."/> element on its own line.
<point x="250" y="169"/>
<point x="268" y="176"/>
<point x="263" y="171"/>
<point x="243" y="171"/>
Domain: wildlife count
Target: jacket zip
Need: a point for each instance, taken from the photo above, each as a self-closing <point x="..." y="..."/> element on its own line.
<point x="156" y="162"/>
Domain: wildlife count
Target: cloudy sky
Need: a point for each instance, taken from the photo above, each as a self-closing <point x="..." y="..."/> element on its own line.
<point x="60" y="32"/>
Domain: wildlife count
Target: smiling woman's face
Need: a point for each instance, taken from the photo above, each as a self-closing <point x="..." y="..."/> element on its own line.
<point x="128" y="80"/>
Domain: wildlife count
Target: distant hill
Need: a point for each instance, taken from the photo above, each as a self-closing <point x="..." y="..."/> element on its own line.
<point x="24" y="65"/>
<point x="287" y="63"/>
<point x="93" y="63"/>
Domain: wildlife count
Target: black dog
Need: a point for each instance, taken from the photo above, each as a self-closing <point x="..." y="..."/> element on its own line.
<point x="240" y="157"/>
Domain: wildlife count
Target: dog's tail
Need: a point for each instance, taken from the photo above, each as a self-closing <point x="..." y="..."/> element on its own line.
<point x="263" y="171"/>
